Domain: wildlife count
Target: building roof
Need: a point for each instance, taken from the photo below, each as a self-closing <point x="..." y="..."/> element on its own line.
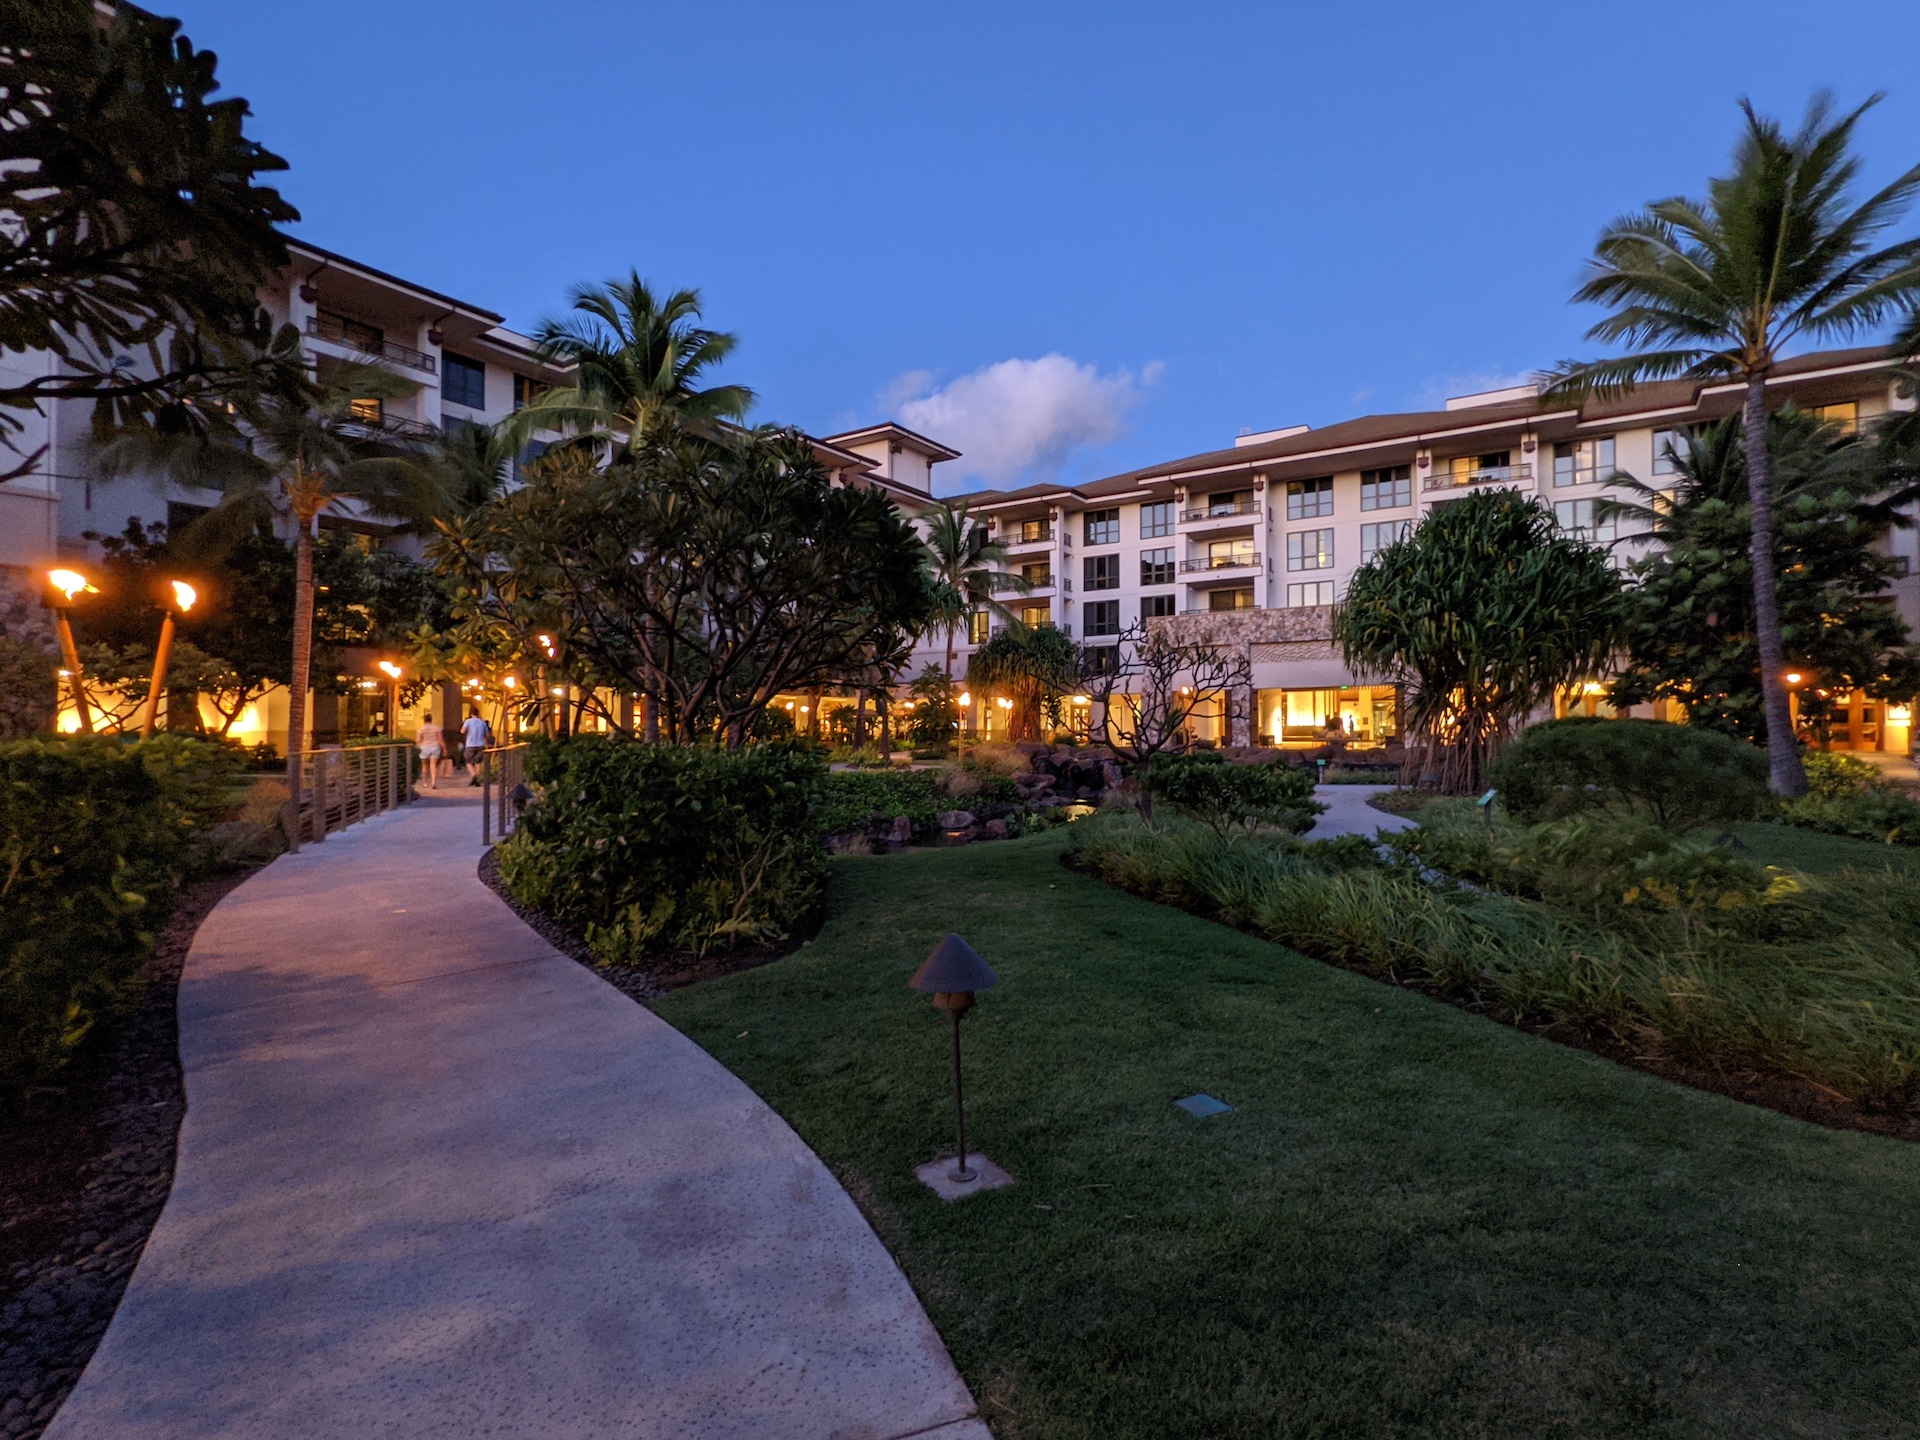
<point x="889" y="430"/>
<point x="333" y="258"/>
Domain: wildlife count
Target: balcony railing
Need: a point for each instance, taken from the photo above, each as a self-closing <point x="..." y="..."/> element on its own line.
<point x="1038" y="536"/>
<point x="1209" y="610"/>
<point x="1490" y="475"/>
<point x="338" y="334"/>
<point x="1220" y="512"/>
<point x="389" y="427"/>
<point x="1206" y="564"/>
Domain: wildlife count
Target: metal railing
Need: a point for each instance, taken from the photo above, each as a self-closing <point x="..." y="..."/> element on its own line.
<point x="1021" y="535"/>
<point x="1230" y="610"/>
<point x="1222" y="511"/>
<point x="1240" y="560"/>
<point x="503" y="770"/>
<point x="383" y="349"/>
<point x="1491" y="475"/>
<point x="380" y="427"/>
<point x="341" y="787"/>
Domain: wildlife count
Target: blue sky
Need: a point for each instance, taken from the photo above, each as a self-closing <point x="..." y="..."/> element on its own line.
<point x="1068" y="239"/>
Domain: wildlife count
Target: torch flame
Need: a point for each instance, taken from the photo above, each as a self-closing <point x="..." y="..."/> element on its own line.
<point x="391" y="668"/>
<point x="184" y="595"/>
<point x="71" y="583"/>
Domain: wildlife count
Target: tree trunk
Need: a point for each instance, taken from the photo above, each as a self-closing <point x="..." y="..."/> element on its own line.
<point x="1788" y="775"/>
<point x="859" y="717"/>
<point x="302" y="660"/>
<point x="652" y="701"/>
<point x="885" y="701"/>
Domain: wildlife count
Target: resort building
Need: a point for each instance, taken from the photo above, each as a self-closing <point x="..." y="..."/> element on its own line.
<point x="1252" y="545"/>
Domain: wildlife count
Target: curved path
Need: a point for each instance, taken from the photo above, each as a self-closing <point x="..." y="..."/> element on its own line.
<point x="438" y="1180"/>
<point x="1348" y="813"/>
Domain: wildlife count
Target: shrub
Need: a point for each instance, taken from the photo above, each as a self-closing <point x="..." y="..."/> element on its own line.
<point x="1680" y="776"/>
<point x="1878" y="814"/>
<point x="28" y="689"/>
<point x="1204" y="786"/>
<point x="652" y="848"/>
<point x="850" y="801"/>
<point x="1832" y="774"/>
<point x="90" y="851"/>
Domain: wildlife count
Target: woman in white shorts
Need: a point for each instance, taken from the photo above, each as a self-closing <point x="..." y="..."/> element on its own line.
<point x="433" y="751"/>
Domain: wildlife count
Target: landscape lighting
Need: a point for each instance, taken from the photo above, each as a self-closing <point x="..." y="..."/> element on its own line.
<point x="393" y="671"/>
<point x="966" y="698"/>
<point x="952" y="974"/>
<point x="71" y="583"/>
<point x="183" y="598"/>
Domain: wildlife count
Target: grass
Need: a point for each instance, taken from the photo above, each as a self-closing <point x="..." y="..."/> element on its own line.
<point x="1416" y="1222"/>
<point x="1819" y="854"/>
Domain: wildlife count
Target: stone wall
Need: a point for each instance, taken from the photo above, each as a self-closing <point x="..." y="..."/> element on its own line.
<point x="22" y="616"/>
<point x="1237" y="628"/>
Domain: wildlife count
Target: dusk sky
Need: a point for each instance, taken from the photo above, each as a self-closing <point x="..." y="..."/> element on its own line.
<point x="1066" y="240"/>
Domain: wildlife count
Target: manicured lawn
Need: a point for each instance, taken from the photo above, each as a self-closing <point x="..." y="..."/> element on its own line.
<point x="1416" y="1223"/>
<point x="1819" y="854"/>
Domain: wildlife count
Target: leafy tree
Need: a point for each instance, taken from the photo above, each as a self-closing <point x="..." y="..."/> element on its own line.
<point x="1485" y="612"/>
<point x="137" y="226"/>
<point x="288" y="453"/>
<point x="1162" y="683"/>
<point x="1035" y="666"/>
<point x="1714" y="289"/>
<point x="936" y="716"/>
<point x="28" y="695"/>
<point x="965" y="562"/>
<point x="1689" y="628"/>
<point x="635" y="355"/>
<point x="1207" y="787"/>
<point x="712" y="576"/>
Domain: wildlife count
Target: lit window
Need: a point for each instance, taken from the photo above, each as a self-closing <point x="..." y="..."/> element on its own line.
<point x="1845" y="417"/>
<point x="1310" y="549"/>
<point x="1031" y="615"/>
<point x="1038" y="575"/>
<point x="1378" y="536"/>
<point x="1387" y="489"/>
<point x="1582" y="462"/>
<point x="1310" y="499"/>
<point x="1103" y="528"/>
<point x="1222" y="553"/>
<point x="367" y="410"/>
<point x="979" y="626"/>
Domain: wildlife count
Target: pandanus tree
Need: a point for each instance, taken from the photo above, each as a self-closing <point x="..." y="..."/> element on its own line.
<point x="285" y="455"/>
<point x="1778" y="252"/>
<point x="1034" y="666"/>
<point x="1485" y="613"/>
<point x="964" y="561"/>
<point x="633" y="353"/>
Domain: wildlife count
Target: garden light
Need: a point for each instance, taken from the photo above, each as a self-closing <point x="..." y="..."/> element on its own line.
<point x="183" y="598"/>
<point x="952" y="974"/>
<point x="507" y="682"/>
<point x="1003" y="702"/>
<point x="1794" y="677"/>
<point x="966" y="698"/>
<point x="392" y="670"/>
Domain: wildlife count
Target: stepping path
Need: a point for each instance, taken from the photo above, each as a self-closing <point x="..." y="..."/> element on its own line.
<point x="436" y="1179"/>
<point x="1348" y="813"/>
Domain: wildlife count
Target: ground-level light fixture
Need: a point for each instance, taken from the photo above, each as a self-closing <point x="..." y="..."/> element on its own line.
<point x="68" y="585"/>
<point x="181" y="598"/>
<point x="952" y="974"/>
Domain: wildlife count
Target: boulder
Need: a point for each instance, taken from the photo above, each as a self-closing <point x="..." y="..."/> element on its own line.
<point x="1033" y="749"/>
<point x="996" y="830"/>
<point x="1110" y="773"/>
<point x="956" y="820"/>
<point x="902" y="830"/>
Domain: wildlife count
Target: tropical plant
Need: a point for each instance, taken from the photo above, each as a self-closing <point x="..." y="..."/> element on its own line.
<point x="964" y="561"/>
<point x="1205" y="786"/>
<point x="29" y="697"/>
<point x="710" y="576"/>
<point x="1715" y="289"/>
<point x="1486" y="612"/>
<point x="1689" y="627"/>
<point x="289" y="454"/>
<point x="635" y="355"/>
<point x="1680" y="776"/>
<point x="1034" y="666"/>
<point x="137" y="226"/>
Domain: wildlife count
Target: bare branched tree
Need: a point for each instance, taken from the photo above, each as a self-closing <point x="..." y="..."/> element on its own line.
<point x="1161" y="683"/>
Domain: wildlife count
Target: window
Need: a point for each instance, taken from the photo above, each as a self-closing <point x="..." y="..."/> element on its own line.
<point x="1103" y="618"/>
<point x="1230" y="600"/>
<point x="1582" y="462"/>
<point x="1103" y="528"/>
<point x="979" y="626"/>
<point x="1311" y="592"/>
<point x="1102" y="572"/>
<point x="1666" y="445"/>
<point x="1037" y="574"/>
<point x="1844" y="417"/>
<point x="533" y="451"/>
<point x="356" y="333"/>
<point x="1576" y="518"/>
<point x="1310" y="549"/>
<point x="1156" y="566"/>
<point x="1222" y="553"/>
<point x="526" y="390"/>
<point x="1032" y="615"/>
<point x="368" y="411"/>
<point x="1102" y="659"/>
<point x="1387" y="489"/>
<point x="1495" y="465"/>
<point x="1031" y="532"/>
<point x="463" y="381"/>
<point x="1378" y="536"/>
<point x="1156" y="520"/>
<point x="1309" y="499"/>
<point x="1154" y="606"/>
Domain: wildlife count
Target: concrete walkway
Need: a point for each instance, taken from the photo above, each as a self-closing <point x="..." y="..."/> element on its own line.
<point x="438" y="1180"/>
<point x="1349" y="814"/>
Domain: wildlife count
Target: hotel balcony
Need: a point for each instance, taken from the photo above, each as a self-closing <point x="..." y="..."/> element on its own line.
<point x="1444" y="480"/>
<point x="1239" y="512"/>
<point x="1021" y="537"/>
<point x="387" y="427"/>
<point x="334" y="333"/>
<point x="1220" y="567"/>
<point x="1209" y="610"/>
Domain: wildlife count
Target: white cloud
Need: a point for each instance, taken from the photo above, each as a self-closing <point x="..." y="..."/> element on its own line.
<point x="1020" y="421"/>
<point x="1439" y="389"/>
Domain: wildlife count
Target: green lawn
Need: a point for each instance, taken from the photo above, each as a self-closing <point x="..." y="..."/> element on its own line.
<point x="1417" y="1223"/>
<point x="1819" y="854"/>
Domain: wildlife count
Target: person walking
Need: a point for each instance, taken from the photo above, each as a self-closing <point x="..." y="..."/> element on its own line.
<point x="477" y="736"/>
<point x="433" y="750"/>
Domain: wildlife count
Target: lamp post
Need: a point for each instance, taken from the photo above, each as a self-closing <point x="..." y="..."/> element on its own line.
<point x="393" y="673"/>
<point x="67" y="584"/>
<point x="951" y="974"/>
<point x="183" y="597"/>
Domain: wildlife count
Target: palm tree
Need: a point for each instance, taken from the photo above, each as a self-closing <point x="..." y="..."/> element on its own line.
<point x="1714" y="289"/>
<point x="633" y="353"/>
<point x="292" y="452"/>
<point x="962" y="557"/>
